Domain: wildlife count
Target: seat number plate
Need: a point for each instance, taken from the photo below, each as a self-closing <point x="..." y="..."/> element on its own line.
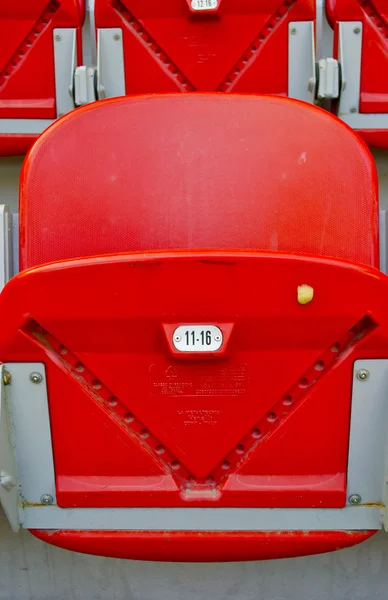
<point x="197" y="338"/>
<point x="204" y="4"/>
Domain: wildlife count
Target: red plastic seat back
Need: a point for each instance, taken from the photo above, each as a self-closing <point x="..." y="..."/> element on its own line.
<point x="240" y="47"/>
<point x="198" y="171"/>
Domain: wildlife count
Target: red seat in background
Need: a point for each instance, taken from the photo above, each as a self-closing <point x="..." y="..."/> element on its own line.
<point x="241" y="46"/>
<point x="27" y="66"/>
<point x="363" y="27"/>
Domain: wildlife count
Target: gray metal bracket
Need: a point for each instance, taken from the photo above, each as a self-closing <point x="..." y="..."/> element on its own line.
<point x="6" y="250"/>
<point x="301" y="61"/>
<point x="9" y="498"/>
<point x="65" y="62"/>
<point x="328" y="79"/>
<point x="350" y="41"/>
<point x="110" y="63"/>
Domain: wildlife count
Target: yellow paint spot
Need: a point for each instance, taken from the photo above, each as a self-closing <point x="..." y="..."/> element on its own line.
<point x="305" y="293"/>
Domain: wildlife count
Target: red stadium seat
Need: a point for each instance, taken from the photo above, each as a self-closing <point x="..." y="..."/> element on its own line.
<point x="197" y="209"/>
<point x="361" y="45"/>
<point x="239" y="46"/>
<point x="34" y="36"/>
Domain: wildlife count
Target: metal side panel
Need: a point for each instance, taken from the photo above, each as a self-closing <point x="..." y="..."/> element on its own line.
<point x="349" y="55"/>
<point x="350" y="40"/>
<point x="202" y="519"/>
<point x="301" y="61"/>
<point x="24" y="126"/>
<point x="366" y="121"/>
<point x="368" y="433"/>
<point x="110" y="63"/>
<point x="6" y="266"/>
<point x="65" y="61"/>
<point x="90" y="23"/>
<point x="30" y="420"/>
<point x="9" y="497"/>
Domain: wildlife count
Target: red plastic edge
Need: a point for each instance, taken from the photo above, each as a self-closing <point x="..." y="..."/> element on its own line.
<point x="16" y="145"/>
<point x="202" y="546"/>
<point x="375" y="138"/>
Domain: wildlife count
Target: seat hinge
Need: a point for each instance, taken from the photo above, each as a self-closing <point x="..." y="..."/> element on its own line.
<point x="84" y="85"/>
<point x="329" y="75"/>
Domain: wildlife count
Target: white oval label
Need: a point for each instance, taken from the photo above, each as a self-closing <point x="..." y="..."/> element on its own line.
<point x="204" y="4"/>
<point x="197" y="338"/>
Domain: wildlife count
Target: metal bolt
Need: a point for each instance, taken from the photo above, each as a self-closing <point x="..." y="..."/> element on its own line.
<point x="36" y="378"/>
<point x="46" y="499"/>
<point x="7" y="481"/>
<point x="363" y="374"/>
<point x="217" y="338"/>
<point x="7" y="378"/>
<point x="58" y="38"/>
<point x="355" y="499"/>
<point x="293" y="31"/>
<point x="353" y="109"/>
<point x="177" y="338"/>
<point x="116" y="37"/>
<point x="357" y="29"/>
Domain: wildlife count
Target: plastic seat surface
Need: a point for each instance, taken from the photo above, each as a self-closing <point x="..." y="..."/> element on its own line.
<point x="241" y="47"/>
<point x="205" y="205"/>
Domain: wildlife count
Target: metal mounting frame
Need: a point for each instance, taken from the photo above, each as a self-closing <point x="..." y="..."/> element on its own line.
<point x="350" y="40"/>
<point x="6" y="249"/>
<point x="28" y="405"/>
<point x="110" y="63"/>
<point x="65" y="62"/>
<point x="9" y="497"/>
<point x="301" y="61"/>
<point x="24" y="126"/>
<point x="368" y="432"/>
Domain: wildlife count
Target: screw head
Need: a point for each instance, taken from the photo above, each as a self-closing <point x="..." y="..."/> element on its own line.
<point x="357" y="30"/>
<point x="36" y="378"/>
<point x="7" y="378"/>
<point x="177" y="338"/>
<point x="217" y="338"/>
<point x="58" y="38"/>
<point x="293" y="31"/>
<point x="355" y="499"/>
<point x="353" y="110"/>
<point x="116" y="37"/>
<point x="46" y="499"/>
<point x="363" y="374"/>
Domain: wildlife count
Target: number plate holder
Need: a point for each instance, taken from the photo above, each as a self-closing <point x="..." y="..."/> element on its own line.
<point x="197" y="340"/>
<point x="204" y="6"/>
